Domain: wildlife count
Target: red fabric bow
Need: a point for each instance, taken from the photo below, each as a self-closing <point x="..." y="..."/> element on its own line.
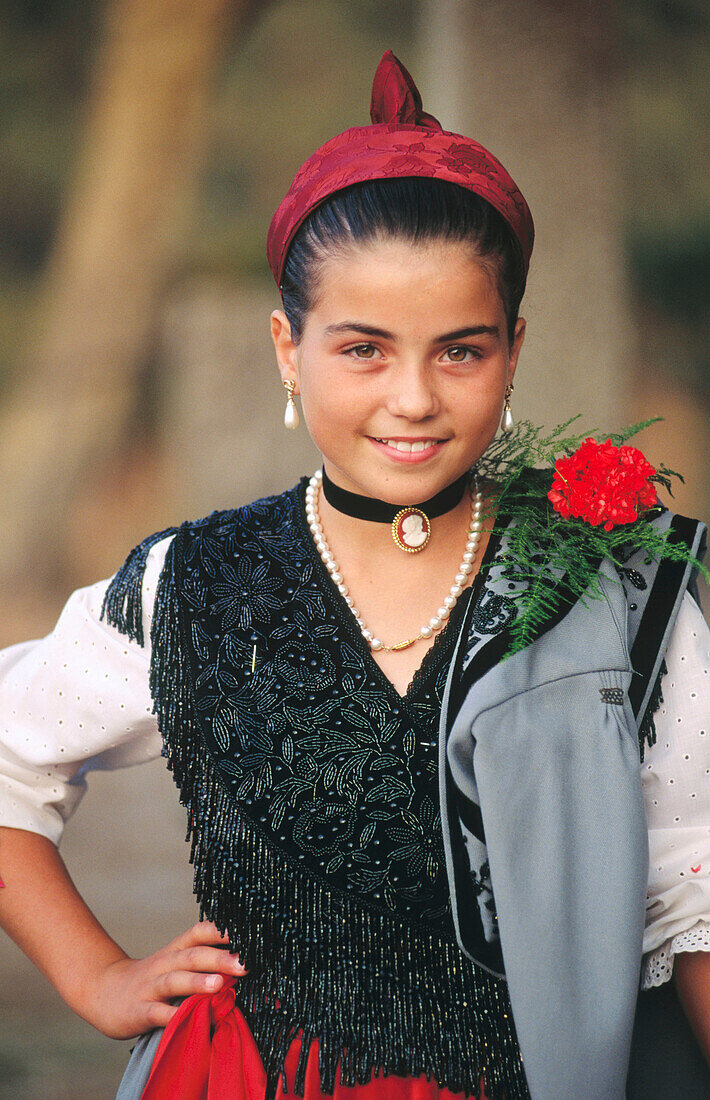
<point x="402" y="141"/>
<point x="207" y="1052"/>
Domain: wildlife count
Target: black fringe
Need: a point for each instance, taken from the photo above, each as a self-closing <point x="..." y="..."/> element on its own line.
<point x="647" y="729"/>
<point x="374" y="990"/>
<point x="123" y="602"/>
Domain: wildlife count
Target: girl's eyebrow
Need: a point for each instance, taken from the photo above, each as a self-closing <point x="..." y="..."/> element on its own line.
<point x="472" y="330"/>
<point x="353" y="326"/>
<point x="383" y="334"/>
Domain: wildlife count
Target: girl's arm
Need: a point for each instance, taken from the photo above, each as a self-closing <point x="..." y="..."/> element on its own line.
<point x="76" y="700"/>
<point x="42" y="911"/>
<point x="692" y="978"/>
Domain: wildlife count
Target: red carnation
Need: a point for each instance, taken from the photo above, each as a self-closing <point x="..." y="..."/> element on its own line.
<point x="603" y="484"/>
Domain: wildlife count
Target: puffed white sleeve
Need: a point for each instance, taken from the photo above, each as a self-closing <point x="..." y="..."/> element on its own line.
<point x="676" y="784"/>
<point x="75" y="701"/>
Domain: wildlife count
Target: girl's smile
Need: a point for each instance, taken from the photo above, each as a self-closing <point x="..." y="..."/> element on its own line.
<point x="409" y="450"/>
<point x="402" y="365"/>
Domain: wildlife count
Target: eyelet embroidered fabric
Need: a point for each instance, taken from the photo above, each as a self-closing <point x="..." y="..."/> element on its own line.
<point x="658" y="966"/>
<point x="674" y="776"/>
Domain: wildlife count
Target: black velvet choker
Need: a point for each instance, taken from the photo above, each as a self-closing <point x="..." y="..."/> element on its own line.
<point x="411" y="523"/>
<point x="379" y="511"/>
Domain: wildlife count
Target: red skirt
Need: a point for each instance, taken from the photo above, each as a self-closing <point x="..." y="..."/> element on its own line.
<point x="208" y="1053"/>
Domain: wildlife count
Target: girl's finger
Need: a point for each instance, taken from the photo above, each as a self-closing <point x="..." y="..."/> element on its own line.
<point x="183" y="983"/>
<point x="207" y="960"/>
<point x="205" y="931"/>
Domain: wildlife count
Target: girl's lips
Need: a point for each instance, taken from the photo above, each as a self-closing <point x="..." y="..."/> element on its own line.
<point x="411" y="452"/>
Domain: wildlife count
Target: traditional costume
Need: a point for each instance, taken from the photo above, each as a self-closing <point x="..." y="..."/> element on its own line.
<point x="359" y="727"/>
<point x="434" y="893"/>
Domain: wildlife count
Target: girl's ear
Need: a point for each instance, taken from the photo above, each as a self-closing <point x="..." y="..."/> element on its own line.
<point x="515" y="347"/>
<point x="286" y="350"/>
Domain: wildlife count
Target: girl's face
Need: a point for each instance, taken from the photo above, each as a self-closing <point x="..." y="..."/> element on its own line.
<point x="402" y="366"/>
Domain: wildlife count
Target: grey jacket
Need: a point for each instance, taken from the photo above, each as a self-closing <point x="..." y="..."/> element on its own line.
<point x="543" y="817"/>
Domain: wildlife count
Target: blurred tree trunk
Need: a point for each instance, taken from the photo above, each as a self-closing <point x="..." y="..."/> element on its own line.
<point x="681" y="439"/>
<point x="145" y="133"/>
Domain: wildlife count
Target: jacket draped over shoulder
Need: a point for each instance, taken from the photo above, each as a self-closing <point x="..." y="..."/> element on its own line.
<point x="544" y="827"/>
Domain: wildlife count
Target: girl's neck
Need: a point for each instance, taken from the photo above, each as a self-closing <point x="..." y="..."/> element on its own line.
<point x="396" y="593"/>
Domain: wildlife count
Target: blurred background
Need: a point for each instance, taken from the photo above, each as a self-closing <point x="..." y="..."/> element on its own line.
<point x="144" y="146"/>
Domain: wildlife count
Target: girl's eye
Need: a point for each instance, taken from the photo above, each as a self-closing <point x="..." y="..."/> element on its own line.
<point x="363" y="351"/>
<point x="460" y="354"/>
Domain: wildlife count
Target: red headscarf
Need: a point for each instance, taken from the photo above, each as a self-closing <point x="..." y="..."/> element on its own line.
<point x="402" y="141"/>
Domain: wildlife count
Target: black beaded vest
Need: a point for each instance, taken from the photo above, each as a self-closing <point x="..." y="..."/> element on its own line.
<point x="311" y="794"/>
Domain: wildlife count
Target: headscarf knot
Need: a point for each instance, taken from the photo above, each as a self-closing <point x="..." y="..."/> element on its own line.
<point x="396" y="98"/>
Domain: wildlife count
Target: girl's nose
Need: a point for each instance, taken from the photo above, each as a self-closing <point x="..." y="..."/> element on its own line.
<point x="413" y="395"/>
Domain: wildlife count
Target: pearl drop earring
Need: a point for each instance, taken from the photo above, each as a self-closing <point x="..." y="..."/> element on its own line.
<point x="291" y="418"/>
<point x="507" y="422"/>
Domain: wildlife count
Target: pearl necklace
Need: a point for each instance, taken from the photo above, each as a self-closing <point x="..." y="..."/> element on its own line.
<point x="438" y="620"/>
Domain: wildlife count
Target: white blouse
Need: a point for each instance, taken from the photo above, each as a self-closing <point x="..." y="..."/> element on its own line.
<point x="78" y="700"/>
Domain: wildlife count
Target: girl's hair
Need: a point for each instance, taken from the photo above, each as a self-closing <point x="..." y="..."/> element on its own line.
<point x="413" y="208"/>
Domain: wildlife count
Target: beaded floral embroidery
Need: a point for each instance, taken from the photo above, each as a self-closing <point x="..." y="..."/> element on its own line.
<point x="311" y="792"/>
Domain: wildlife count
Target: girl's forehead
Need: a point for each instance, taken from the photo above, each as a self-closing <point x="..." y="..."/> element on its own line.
<point x="386" y="275"/>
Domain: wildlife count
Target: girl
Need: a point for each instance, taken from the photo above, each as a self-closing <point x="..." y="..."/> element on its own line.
<point x="428" y="861"/>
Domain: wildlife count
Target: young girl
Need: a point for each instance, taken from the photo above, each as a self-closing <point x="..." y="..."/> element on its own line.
<point x="427" y="856"/>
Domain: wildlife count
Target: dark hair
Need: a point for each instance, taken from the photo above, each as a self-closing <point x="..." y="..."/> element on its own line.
<point x="415" y="208"/>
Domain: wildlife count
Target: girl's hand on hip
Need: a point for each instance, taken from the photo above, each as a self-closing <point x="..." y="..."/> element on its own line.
<point x="131" y="996"/>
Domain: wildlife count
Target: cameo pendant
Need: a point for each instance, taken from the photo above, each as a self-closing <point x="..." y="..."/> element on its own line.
<point x="411" y="530"/>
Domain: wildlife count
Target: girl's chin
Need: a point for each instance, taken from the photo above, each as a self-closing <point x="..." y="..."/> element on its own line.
<point x="405" y="483"/>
